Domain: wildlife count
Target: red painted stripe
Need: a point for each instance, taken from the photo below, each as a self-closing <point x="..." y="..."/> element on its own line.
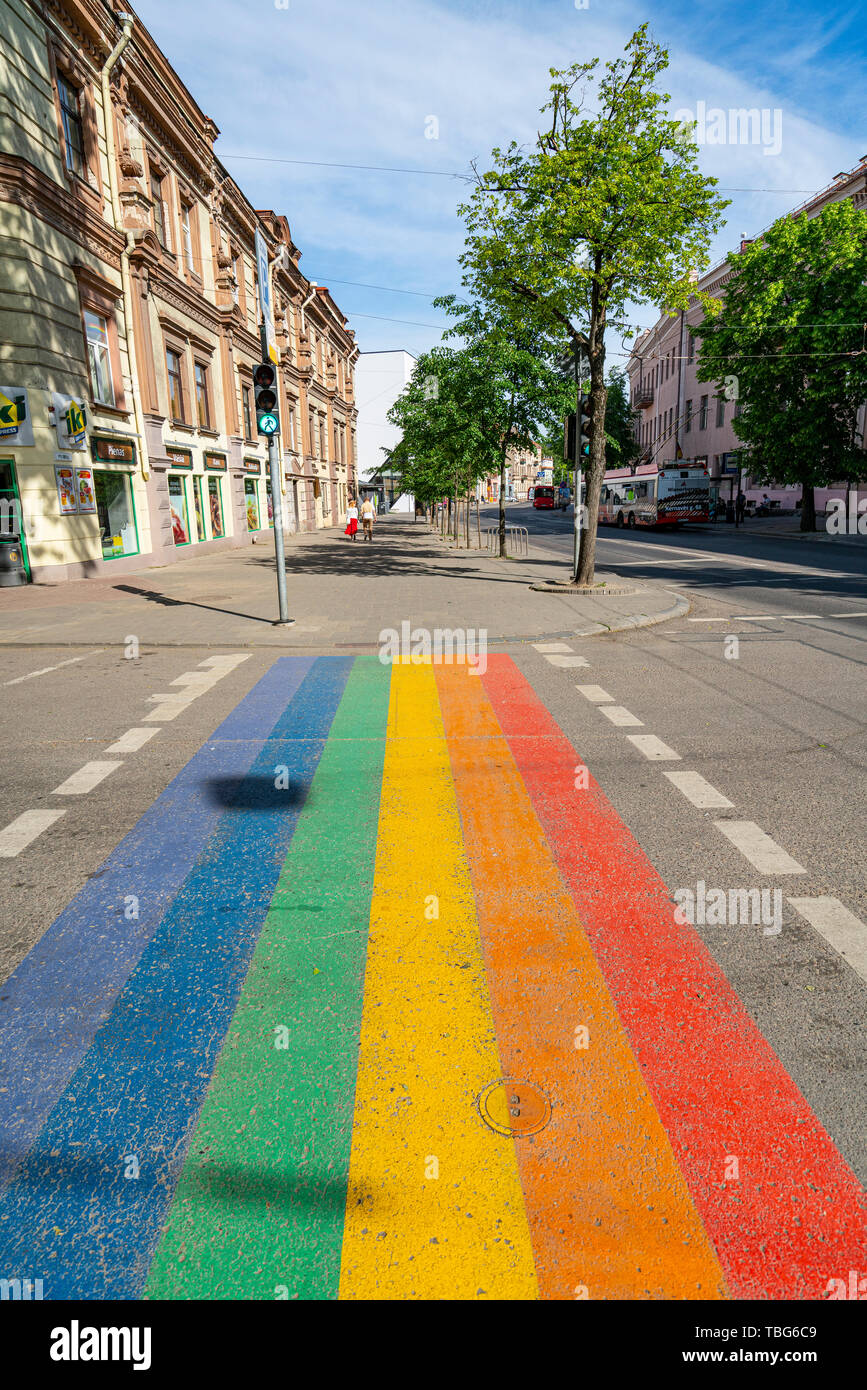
<point x="794" y="1219"/>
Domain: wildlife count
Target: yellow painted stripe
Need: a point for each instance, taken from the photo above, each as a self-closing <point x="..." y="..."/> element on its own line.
<point x="434" y="1208"/>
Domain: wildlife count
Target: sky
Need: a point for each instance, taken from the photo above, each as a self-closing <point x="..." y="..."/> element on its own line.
<point x="426" y="86"/>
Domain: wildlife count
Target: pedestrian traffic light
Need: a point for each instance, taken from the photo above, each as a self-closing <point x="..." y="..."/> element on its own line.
<point x="569" y="437"/>
<point x="265" y="389"/>
<point x="586" y="426"/>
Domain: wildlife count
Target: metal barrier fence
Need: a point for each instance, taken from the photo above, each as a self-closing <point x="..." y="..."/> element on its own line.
<point x="517" y="535"/>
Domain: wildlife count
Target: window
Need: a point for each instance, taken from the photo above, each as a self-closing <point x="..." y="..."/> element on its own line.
<point x="323" y="443"/>
<point x="702" y="419"/>
<point x="176" y="385"/>
<point x="247" y="407"/>
<point x="216" y="507"/>
<point x="200" y="507"/>
<point x="96" y="331"/>
<point x="115" y="511"/>
<point x="690" y="355"/>
<point x="251" y="504"/>
<point x="178" y="509"/>
<point x="187" y="228"/>
<point x="203" y="408"/>
<point x="688" y="420"/>
<point x="159" y="212"/>
<point x="720" y="410"/>
<point x="238" y="272"/>
<point x="73" y="130"/>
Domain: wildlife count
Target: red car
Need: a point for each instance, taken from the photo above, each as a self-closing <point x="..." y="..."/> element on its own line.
<point x="544" y="497"/>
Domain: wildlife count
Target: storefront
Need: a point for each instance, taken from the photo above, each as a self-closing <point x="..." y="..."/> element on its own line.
<point x="252" y="508"/>
<point x="215" y="469"/>
<point x="108" y="492"/>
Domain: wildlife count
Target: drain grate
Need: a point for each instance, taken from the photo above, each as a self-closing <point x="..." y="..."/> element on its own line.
<point x="516" y="1108"/>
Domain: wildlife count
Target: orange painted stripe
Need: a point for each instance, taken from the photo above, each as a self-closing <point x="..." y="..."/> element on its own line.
<point x="610" y="1214"/>
<point x="792" y="1217"/>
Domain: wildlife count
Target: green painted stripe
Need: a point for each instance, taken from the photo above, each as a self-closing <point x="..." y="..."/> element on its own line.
<point x="258" y="1212"/>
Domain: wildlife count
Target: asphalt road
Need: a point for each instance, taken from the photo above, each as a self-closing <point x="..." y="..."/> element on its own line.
<point x="776" y="722"/>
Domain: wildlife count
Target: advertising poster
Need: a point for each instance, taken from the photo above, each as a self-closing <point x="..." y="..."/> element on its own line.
<point x="86" y="493"/>
<point x="70" y="418"/>
<point x="66" y="490"/>
<point x="16" y="426"/>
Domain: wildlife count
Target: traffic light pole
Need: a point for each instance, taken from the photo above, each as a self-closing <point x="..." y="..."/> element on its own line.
<point x="279" y="546"/>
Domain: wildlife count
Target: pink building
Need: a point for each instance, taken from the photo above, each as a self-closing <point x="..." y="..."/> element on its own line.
<point x="680" y="416"/>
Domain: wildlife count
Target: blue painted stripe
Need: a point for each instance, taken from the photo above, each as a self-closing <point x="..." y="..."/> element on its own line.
<point x="62" y="992"/>
<point x="85" y="1209"/>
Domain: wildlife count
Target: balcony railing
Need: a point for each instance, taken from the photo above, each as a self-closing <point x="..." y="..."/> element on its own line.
<point x="644" y="394"/>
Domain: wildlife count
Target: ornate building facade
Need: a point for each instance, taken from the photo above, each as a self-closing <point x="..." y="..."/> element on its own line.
<point x="131" y="310"/>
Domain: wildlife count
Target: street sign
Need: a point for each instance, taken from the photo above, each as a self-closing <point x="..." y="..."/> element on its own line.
<point x="264" y="280"/>
<point x="268" y="424"/>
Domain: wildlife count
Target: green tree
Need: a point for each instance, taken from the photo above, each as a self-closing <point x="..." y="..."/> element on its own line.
<point x="620" y="443"/>
<point x="789" y="345"/>
<point x="608" y="208"/>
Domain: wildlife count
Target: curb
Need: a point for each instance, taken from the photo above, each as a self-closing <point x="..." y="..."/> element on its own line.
<point x="678" y="609"/>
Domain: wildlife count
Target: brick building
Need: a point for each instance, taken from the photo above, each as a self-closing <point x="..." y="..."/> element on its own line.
<point x="130" y="314"/>
<point x="677" y="411"/>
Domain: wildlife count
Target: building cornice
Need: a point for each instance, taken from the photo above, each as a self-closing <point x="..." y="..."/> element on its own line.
<point x="22" y="183"/>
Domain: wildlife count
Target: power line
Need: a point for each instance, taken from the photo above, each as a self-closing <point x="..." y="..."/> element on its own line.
<point x="363" y="285"/>
<point x="370" y="168"/>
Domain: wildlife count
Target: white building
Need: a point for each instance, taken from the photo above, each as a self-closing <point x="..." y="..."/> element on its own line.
<point x="379" y="379"/>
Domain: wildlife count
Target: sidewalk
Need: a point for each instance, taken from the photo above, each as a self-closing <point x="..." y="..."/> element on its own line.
<point x="341" y="595"/>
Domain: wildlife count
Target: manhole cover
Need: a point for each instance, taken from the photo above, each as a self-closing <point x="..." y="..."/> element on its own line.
<point x="514" y="1107"/>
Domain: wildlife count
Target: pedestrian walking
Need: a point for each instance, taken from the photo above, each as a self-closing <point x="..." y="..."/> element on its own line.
<point x="351" y="520"/>
<point x="368" y="516"/>
<point x="741" y="507"/>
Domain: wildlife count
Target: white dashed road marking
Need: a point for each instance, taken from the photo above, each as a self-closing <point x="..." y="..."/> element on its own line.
<point x="698" y="791"/>
<point x="654" y="748"/>
<point x="23" y="831"/>
<point x="85" y="779"/>
<point x="43" y="670"/>
<point x="570" y="661"/>
<point x="840" y="928"/>
<point x="553" y="647"/>
<point x="594" y="693"/>
<point x="763" y="853"/>
<point x="132" y="740"/>
<point x="620" y="716"/>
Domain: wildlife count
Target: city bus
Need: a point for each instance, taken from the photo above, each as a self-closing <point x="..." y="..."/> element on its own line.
<point x="543" y="495"/>
<point x="655" y="495"/>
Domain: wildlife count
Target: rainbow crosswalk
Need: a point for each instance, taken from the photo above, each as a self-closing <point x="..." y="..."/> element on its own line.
<point x="373" y="893"/>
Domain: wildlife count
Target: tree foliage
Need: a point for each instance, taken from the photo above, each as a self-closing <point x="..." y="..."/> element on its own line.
<point x="609" y="208"/>
<point x="791" y="333"/>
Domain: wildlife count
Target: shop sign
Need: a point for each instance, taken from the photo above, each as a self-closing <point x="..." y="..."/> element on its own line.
<point x="253" y="465"/>
<point x="70" y="420"/>
<point x="66" y="490"/>
<point x="16" y="425"/>
<point x="179" y="457"/>
<point x="112" y="450"/>
<point x="85" y="490"/>
<point x="216" y="462"/>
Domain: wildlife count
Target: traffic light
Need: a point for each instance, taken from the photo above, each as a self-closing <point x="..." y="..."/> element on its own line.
<point x="586" y="426"/>
<point x="569" y="438"/>
<point x="265" y="390"/>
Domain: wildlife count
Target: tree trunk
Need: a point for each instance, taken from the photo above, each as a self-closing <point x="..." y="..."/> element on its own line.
<point x="455" y="510"/>
<point x="467" y="519"/>
<point x="502" y="536"/>
<point x="596" y="463"/>
<point x="478" y="524"/>
<point x="808" y="508"/>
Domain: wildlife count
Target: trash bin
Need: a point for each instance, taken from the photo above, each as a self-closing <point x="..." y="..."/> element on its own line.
<point x="12" y="571"/>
